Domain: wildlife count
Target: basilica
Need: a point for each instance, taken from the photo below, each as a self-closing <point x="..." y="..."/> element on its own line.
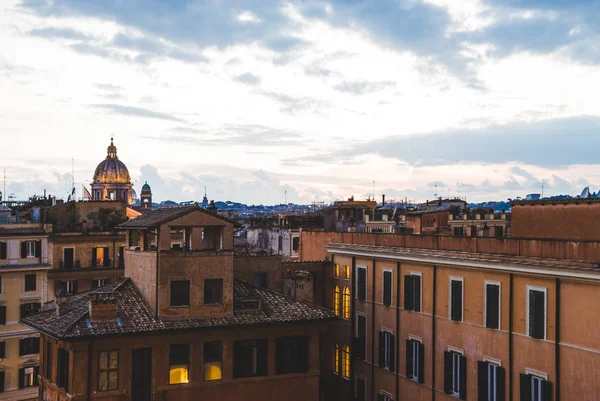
<point x="111" y="179"/>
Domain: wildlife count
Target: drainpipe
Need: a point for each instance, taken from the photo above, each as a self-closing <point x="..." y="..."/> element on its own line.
<point x="89" y="373"/>
<point x="432" y="331"/>
<point x="373" y="395"/>
<point x="510" y="339"/>
<point x="398" y="266"/>
<point x="157" y="269"/>
<point x="352" y="325"/>
<point x="557" y="340"/>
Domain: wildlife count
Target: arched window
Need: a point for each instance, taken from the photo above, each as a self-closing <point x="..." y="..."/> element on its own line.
<point x="346" y="361"/>
<point x="346" y="303"/>
<point x="347" y="272"/>
<point x="336" y="359"/>
<point x="336" y="300"/>
<point x="336" y="270"/>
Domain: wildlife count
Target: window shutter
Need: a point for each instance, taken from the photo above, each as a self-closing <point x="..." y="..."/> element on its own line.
<point x="75" y="287"/>
<point x="525" y="387"/>
<point x="2" y="314"/>
<point x="23" y="249"/>
<point x="463" y="377"/>
<point x="106" y="258"/>
<point x="22" y="347"/>
<point x="3" y="250"/>
<point x="409" y="359"/>
<point x="303" y="350"/>
<point x="362" y="284"/>
<point x="447" y="372"/>
<point x="392" y="352"/>
<point x="238" y="359"/>
<point x="546" y="390"/>
<point x="381" y="349"/>
<point x="500" y="383"/>
<point x="2" y="349"/>
<point x="279" y="355"/>
<point x="21" y="377"/>
<point x="408" y="293"/>
<point x="482" y="381"/>
<point x="421" y="362"/>
<point x="262" y="360"/>
<point x="38" y="249"/>
<point x="2" y="382"/>
<point x="387" y="288"/>
<point x="94" y="257"/>
<point x="36" y="372"/>
<point x="492" y="302"/>
<point x="538" y="314"/>
<point x="456" y="313"/>
<point x="380" y="397"/>
<point x="36" y="345"/>
<point x="416" y="290"/>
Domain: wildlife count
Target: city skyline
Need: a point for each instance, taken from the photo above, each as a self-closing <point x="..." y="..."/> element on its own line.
<point x="318" y="99"/>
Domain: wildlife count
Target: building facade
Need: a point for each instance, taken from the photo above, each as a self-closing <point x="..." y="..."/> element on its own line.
<point x="449" y="325"/>
<point x="24" y="264"/>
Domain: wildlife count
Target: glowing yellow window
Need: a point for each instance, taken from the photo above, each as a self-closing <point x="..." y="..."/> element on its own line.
<point x="346" y="303"/>
<point x="336" y="300"/>
<point x="179" y="363"/>
<point x="336" y="270"/>
<point x="347" y="271"/>
<point x="346" y="362"/>
<point x="336" y="359"/>
<point x="213" y="354"/>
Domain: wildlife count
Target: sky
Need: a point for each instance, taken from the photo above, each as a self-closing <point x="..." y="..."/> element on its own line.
<point x="266" y="101"/>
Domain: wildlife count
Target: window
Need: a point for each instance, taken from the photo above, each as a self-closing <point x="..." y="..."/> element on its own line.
<point x="492" y="305"/>
<point x="456" y="299"/>
<point x="2" y="349"/>
<point x="100" y="257"/>
<point x="249" y="358"/>
<point x="2" y="381"/>
<point x="180" y="293"/>
<point x="361" y="283"/>
<point x="49" y="362"/>
<point x="31" y="249"/>
<point x="30" y="282"/>
<point x="30" y="309"/>
<point x="2" y="314"/>
<point x="69" y="287"/>
<point x="387" y="288"/>
<point x="347" y="272"/>
<point x="295" y="244"/>
<point x="386" y="350"/>
<point x="213" y="291"/>
<point x="260" y="279"/>
<point x="455" y="374"/>
<point x="346" y="362"/>
<point x="360" y="342"/>
<point x="415" y="360"/>
<point x="179" y="363"/>
<point x="361" y="389"/>
<point x="346" y="303"/>
<point x="28" y="377"/>
<point x="213" y="355"/>
<point x="491" y="380"/>
<point x="3" y="253"/>
<point x="97" y="283"/>
<point x="336" y="359"/>
<point x="1" y="285"/>
<point x="29" y="346"/>
<point x="412" y="292"/>
<point x="535" y="388"/>
<point x="536" y="312"/>
<point x="336" y="270"/>
<point x="291" y="355"/>
<point x="280" y="244"/>
<point x="108" y="370"/>
<point x="336" y="300"/>
<point x="384" y="397"/>
<point x="62" y="371"/>
<point x="458" y="232"/>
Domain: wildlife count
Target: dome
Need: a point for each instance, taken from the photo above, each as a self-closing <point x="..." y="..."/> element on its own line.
<point x="146" y="187"/>
<point x="111" y="170"/>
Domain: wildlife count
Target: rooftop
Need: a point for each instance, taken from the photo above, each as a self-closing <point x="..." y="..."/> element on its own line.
<point x="156" y="217"/>
<point x="555" y="201"/>
<point x="134" y="316"/>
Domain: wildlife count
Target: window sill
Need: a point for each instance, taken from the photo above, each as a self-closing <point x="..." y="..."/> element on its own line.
<point x="180" y="306"/>
<point x="213" y="304"/>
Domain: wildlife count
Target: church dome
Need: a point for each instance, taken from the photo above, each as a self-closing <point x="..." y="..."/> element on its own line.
<point x="111" y="170"/>
<point x="146" y="187"/>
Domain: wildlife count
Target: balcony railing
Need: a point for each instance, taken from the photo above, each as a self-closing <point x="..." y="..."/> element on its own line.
<point x="74" y="264"/>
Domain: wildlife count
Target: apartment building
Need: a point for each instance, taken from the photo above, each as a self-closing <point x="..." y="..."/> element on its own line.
<point x="24" y="287"/>
<point x="428" y="324"/>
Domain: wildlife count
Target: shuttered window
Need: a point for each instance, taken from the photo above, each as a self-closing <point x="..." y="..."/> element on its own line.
<point x="2" y="350"/>
<point x="2" y="381"/>
<point x="415" y="360"/>
<point x="537" y="314"/>
<point x="412" y="292"/>
<point x="361" y="389"/>
<point x="456" y="300"/>
<point x="3" y="253"/>
<point x="30" y="282"/>
<point x="249" y="358"/>
<point x="108" y="370"/>
<point x="29" y="346"/>
<point x="30" y="309"/>
<point x="491" y="382"/>
<point x="291" y="354"/>
<point x="455" y="374"/>
<point x="2" y="314"/>
<point x="360" y="342"/>
<point x="387" y="288"/>
<point x="361" y="283"/>
<point x="386" y="350"/>
<point x="62" y="369"/>
<point x="49" y="361"/>
<point x="28" y="377"/>
<point x="492" y="306"/>
<point x="535" y="388"/>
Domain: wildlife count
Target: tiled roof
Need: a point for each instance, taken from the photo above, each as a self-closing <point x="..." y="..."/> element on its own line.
<point x="22" y="231"/>
<point x="135" y="315"/>
<point x="162" y="215"/>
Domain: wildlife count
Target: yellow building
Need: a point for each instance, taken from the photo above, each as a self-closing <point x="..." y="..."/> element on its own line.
<point x="24" y="265"/>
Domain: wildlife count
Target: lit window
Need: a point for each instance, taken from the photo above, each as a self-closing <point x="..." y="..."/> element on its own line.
<point x="336" y="359"/>
<point x="346" y="303"/>
<point x="336" y="270"/>
<point x="179" y="363"/>
<point x="336" y="300"/>
<point x="347" y="272"/>
<point x="346" y="362"/>
<point x="108" y="372"/>
<point x="213" y="353"/>
<point x="28" y="377"/>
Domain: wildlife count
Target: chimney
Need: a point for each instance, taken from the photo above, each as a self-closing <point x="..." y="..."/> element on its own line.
<point x="103" y="307"/>
<point x="382" y="199"/>
<point x="62" y="302"/>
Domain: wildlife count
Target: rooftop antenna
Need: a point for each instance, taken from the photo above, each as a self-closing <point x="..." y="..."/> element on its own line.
<point x="4" y="192"/>
<point x="542" y="189"/>
<point x="435" y="194"/>
<point x="373" y="189"/>
<point x="72" y="176"/>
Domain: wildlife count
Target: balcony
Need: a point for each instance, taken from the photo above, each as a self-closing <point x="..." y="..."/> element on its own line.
<point x="70" y="265"/>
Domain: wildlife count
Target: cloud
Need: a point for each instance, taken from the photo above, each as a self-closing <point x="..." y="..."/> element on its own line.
<point x="63" y="33"/>
<point x="248" y="78"/>
<point x="363" y="87"/>
<point x="137" y="112"/>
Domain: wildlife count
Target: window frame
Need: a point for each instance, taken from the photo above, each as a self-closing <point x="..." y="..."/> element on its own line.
<point x="456" y="368"/>
<point x="107" y="370"/>
<point x="345" y="362"/>
<point x="336" y="270"/>
<point x="358" y="377"/>
<point x="485" y="299"/>
<point x="366" y="334"/>
<point x="415" y="342"/>
<point x="206" y="360"/>
<point x="363" y="267"/>
<point x="25" y="282"/>
<point x="346" y="269"/>
<point x="29" y="249"/>
<point x="213" y="280"/>
<point x="530" y="288"/>
<point x="346" y="300"/>
<point x="258" y="364"/>
<point x="173" y="364"/>
<point x="462" y="311"/>
<point x="387" y="351"/>
<point x="177" y="298"/>
<point x="387" y="270"/>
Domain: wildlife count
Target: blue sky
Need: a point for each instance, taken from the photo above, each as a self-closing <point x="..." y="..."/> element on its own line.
<point x="484" y="99"/>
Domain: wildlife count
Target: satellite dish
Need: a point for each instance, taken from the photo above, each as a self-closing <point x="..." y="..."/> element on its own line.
<point x="585" y="193"/>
